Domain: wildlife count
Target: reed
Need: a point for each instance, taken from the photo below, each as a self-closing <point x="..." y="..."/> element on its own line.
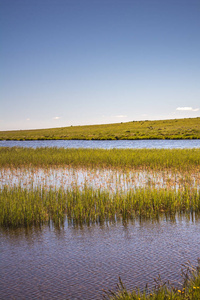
<point x="36" y="205"/>
<point x="180" y="159"/>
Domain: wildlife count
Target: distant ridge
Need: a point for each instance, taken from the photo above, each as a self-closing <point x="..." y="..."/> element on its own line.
<point x="188" y="128"/>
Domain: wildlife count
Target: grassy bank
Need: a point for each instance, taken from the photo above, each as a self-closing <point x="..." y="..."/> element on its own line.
<point x="37" y="205"/>
<point x="190" y="289"/>
<point x="182" y="159"/>
<point x="135" y="130"/>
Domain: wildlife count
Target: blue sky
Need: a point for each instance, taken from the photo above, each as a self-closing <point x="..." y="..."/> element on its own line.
<point x="76" y="62"/>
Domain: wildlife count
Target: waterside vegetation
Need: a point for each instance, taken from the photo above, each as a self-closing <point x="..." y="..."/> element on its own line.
<point x="26" y="204"/>
<point x="188" y="128"/>
<point x="189" y="290"/>
<point x="157" y="159"/>
<point x="172" y="186"/>
<point x="37" y="205"/>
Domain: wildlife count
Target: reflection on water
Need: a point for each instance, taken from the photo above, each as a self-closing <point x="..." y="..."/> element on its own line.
<point x="77" y="263"/>
<point x="167" y="144"/>
<point x="97" y="178"/>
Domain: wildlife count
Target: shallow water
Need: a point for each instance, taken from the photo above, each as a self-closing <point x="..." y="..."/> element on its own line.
<point x="77" y="263"/>
<point x="110" y="179"/>
<point x="167" y="144"/>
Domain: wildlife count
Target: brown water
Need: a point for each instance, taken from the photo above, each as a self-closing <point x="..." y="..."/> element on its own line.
<point x="77" y="263"/>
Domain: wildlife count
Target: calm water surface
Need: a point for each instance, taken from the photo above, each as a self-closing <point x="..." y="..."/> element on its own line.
<point x="77" y="263"/>
<point x="105" y="144"/>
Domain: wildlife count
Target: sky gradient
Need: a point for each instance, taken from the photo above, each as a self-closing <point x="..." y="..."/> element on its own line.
<point x="78" y="62"/>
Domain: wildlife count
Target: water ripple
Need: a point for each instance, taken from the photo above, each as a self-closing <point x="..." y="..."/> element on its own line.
<point x="77" y="263"/>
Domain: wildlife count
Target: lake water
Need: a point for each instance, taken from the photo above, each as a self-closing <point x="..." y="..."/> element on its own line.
<point x="77" y="263"/>
<point x="105" y="144"/>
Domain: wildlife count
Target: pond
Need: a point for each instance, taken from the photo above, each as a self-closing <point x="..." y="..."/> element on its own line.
<point x="167" y="144"/>
<point x="78" y="262"/>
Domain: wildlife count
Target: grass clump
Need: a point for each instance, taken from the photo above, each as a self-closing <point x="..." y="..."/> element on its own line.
<point x="190" y="289"/>
<point x="181" y="159"/>
<point x="37" y="205"/>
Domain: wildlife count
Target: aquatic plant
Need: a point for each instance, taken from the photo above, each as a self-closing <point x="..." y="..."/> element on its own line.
<point x="157" y="159"/>
<point x="111" y="179"/>
<point x="26" y="206"/>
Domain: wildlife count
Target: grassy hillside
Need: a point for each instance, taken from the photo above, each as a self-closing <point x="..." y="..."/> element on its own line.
<point x="164" y="129"/>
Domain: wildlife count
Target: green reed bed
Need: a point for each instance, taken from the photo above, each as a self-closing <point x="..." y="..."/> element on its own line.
<point x="22" y="206"/>
<point x="189" y="290"/>
<point x="181" y="159"/>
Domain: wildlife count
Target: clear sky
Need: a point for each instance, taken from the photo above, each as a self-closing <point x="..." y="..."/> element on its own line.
<point x="76" y="62"/>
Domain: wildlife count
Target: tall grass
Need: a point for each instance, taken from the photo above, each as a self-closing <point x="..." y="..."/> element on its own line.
<point x="22" y="206"/>
<point x="181" y="159"/>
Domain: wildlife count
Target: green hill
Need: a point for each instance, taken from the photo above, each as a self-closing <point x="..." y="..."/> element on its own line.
<point x="135" y="130"/>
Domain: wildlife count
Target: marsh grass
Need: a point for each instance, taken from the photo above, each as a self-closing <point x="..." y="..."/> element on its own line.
<point x="157" y="159"/>
<point x="189" y="290"/>
<point x="141" y="183"/>
<point x="21" y="204"/>
<point x="111" y="179"/>
<point x="23" y="207"/>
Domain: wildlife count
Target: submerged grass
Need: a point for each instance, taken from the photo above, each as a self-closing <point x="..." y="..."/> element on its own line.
<point x="23" y="207"/>
<point x="111" y="179"/>
<point x="164" y="129"/>
<point x="190" y="289"/>
<point x="181" y="159"/>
